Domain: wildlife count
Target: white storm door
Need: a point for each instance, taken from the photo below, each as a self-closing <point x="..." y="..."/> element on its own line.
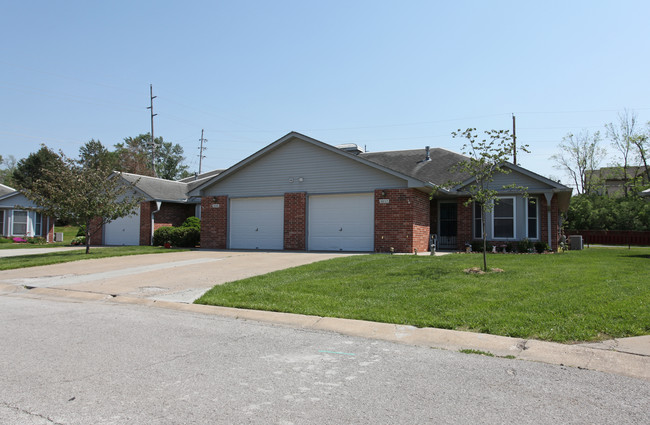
<point x="257" y="223"/>
<point x="342" y="222"/>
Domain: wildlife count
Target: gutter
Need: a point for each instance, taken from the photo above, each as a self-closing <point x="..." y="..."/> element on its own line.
<point x="158" y="206"/>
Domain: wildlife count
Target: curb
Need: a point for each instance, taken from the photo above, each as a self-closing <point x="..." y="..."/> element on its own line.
<point x="632" y="365"/>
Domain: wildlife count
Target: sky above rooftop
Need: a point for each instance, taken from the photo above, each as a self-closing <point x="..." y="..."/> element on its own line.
<point x="386" y="75"/>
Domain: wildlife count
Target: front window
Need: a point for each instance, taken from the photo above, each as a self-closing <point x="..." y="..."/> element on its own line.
<point x="478" y="223"/>
<point x="531" y="218"/>
<point x="37" y="224"/>
<point x="20" y="223"/>
<point x="503" y="220"/>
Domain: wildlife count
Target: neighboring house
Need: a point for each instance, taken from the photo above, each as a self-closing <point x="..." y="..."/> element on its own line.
<point x="165" y="203"/>
<point x="19" y="217"/>
<point x="611" y="180"/>
<point x="301" y="194"/>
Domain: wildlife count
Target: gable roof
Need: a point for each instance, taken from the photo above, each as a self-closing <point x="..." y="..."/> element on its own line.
<point x="4" y="190"/>
<point x="157" y="189"/>
<point x="412" y="181"/>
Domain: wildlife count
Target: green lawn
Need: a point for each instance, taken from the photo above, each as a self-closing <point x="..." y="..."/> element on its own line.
<point x="69" y="232"/>
<point x="576" y="296"/>
<point x="22" y="261"/>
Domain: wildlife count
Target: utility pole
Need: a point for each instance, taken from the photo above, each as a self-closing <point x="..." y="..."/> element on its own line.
<point x="153" y="140"/>
<point x="514" y="141"/>
<point x="201" y="149"/>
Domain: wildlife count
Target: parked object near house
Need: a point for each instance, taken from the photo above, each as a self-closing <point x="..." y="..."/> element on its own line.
<point x="19" y="217"/>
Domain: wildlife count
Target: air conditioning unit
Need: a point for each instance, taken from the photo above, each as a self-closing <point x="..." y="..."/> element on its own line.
<point x="58" y="237"/>
<point x="575" y="242"/>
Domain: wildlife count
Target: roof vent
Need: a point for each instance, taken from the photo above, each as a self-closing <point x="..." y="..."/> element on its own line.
<point x="350" y="148"/>
<point x="428" y="157"/>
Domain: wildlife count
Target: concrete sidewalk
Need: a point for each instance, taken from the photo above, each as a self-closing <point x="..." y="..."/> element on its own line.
<point x="627" y="356"/>
<point x="15" y="252"/>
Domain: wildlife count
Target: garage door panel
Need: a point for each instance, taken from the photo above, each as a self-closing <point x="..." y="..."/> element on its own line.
<point x="123" y="231"/>
<point x="257" y="223"/>
<point x="341" y="222"/>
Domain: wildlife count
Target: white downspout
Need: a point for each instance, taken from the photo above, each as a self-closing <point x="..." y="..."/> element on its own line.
<point x="158" y="205"/>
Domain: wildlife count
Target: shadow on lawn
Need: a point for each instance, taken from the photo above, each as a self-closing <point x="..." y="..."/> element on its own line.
<point x="646" y="256"/>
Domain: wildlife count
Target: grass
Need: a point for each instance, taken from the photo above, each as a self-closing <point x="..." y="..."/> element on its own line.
<point x="585" y="295"/>
<point x="69" y="232"/>
<point x="22" y="261"/>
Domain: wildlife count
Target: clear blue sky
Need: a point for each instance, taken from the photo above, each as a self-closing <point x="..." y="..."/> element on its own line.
<point x="387" y="75"/>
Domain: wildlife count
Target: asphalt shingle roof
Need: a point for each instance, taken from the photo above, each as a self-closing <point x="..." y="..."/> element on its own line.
<point x="412" y="163"/>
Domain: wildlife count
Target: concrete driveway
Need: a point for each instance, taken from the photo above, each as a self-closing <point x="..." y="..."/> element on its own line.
<point x="174" y="276"/>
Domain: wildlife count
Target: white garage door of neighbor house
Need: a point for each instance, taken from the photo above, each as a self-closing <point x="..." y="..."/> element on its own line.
<point x="257" y="223"/>
<point x="123" y="231"/>
<point x="342" y="222"/>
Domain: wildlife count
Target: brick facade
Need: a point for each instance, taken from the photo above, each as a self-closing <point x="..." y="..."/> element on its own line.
<point x="214" y="221"/>
<point x="47" y="224"/>
<point x="295" y="221"/>
<point x="170" y="214"/>
<point x="402" y="220"/>
<point x="96" y="231"/>
<point x="464" y="223"/>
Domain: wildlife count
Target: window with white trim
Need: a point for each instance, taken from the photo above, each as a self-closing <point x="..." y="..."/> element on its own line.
<point x="38" y="221"/>
<point x="478" y="224"/>
<point x="503" y="218"/>
<point x="532" y="221"/>
<point x="19" y="227"/>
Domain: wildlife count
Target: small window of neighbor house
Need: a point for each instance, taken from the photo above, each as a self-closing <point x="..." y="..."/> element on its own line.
<point x="478" y="224"/>
<point x="503" y="219"/>
<point x="532" y="214"/>
<point x="19" y="223"/>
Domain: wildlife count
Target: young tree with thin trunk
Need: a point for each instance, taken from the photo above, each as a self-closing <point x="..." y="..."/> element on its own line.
<point x="622" y="139"/>
<point x="82" y="194"/>
<point x="486" y="159"/>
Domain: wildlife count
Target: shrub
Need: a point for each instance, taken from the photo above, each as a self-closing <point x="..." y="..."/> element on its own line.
<point x="187" y="237"/>
<point x="540" y="247"/>
<point x="510" y="247"/>
<point x="38" y="240"/>
<point x="79" y="240"/>
<point x="477" y="246"/>
<point x="82" y="230"/>
<point x="525" y="246"/>
<point x="5" y="240"/>
<point x="193" y="222"/>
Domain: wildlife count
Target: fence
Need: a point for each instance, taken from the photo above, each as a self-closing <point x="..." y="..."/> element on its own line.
<point x="612" y="237"/>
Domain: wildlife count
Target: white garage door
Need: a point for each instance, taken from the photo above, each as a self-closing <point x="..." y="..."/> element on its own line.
<point x="342" y="222"/>
<point x="257" y="223"/>
<point x="123" y="231"/>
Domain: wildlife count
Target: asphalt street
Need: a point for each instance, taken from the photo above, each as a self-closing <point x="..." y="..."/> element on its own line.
<point x="77" y="362"/>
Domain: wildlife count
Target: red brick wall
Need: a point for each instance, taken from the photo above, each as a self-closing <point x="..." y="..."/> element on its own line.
<point x="96" y="231"/>
<point x="47" y="225"/>
<point x="214" y="222"/>
<point x="464" y="232"/>
<point x="403" y="222"/>
<point x="170" y="214"/>
<point x="295" y="220"/>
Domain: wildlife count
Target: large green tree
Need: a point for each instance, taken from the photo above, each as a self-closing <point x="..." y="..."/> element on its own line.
<point x="8" y="165"/>
<point x="83" y="194"/>
<point x="487" y="156"/>
<point x="94" y="154"/>
<point x="34" y="167"/>
<point x="136" y="152"/>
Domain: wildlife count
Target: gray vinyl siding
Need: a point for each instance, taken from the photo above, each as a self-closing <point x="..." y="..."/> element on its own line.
<point x="322" y="172"/>
<point x="17" y="201"/>
<point x="519" y="179"/>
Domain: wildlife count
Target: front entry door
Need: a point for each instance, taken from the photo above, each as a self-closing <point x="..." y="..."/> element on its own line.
<point x="448" y="225"/>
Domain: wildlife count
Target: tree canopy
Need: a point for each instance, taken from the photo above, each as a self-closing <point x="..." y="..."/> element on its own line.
<point x="76" y="192"/>
<point x="35" y="167"/>
<point x="134" y="156"/>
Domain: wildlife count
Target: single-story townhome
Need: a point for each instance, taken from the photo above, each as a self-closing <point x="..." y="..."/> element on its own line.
<point x="19" y="217"/>
<point x="302" y="194"/>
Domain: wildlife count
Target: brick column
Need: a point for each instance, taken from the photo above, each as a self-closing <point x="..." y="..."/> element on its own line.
<point x="48" y="225"/>
<point x="96" y="231"/>
<point x="464" y="223"/>
<point x="214" y="221"/>
<point x="402" y="218"/>
<point x="145" y="221"/>
<point x="295" y="221"/>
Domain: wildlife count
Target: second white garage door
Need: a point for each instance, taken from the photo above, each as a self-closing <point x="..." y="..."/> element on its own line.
<point x="257" y="223"/>
<point x="123" y="231"/>
<point x="342" y="222"/>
